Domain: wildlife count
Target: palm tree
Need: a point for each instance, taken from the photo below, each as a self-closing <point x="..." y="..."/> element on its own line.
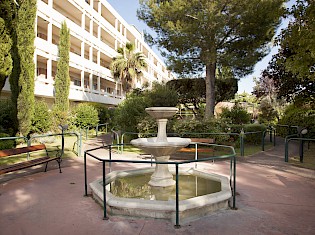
<point x="127" y="66"/>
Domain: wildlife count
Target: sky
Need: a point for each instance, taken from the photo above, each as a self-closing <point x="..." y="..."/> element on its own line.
<point x="128" y="10"/>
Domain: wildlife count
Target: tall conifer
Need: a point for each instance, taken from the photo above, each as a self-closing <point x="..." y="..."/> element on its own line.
<point x="25" y="31"/>
<point x="62" y="80"/>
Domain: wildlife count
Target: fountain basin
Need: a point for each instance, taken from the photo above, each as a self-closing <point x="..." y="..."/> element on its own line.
<point x="189" y="209"/>
<point x="158" y="148"/>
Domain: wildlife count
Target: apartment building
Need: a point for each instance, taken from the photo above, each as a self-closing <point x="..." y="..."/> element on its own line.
<point x="96" y="31"/>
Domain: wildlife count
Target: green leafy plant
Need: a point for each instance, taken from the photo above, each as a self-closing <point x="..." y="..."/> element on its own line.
<point x="236" y="115"/>
<point x="162" y="96"/>
<point x="85" y="115"/>
<point x="6" y="144"/>
<point x="42" y="119"/>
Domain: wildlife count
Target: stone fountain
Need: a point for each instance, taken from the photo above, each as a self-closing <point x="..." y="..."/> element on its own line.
<point x="161" y="202"/>
<point x="161" y="147"/>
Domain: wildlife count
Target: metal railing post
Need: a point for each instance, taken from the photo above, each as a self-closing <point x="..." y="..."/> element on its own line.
<point x="85" y="176"/>
<point x="177" y="199"/>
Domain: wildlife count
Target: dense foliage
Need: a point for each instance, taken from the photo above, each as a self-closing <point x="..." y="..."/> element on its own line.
<point x="85" y="115"/>
<point x="6" y="144"/>
<point x="25" y="29"/>
<point x="301" y="115"/>
<point x="200" y="35"/>
<point x="5" y="56"/>
<point x="129" y="112"/>
<point x="236" y="115"/>
<point x="6" y="116"/>
<point x="42" y="120"/>
<point x="62" y="79"/>
<point x="292" y="69"/>
<point x="162" y="96"/>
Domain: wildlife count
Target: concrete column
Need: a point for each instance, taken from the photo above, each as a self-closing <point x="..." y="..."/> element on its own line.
<point x="49" y="69"/>
<point x="49" y="32"/>
<point x="91" y="81"/>
<point x="91" y="26"/>
<point x="91" y="53"/>
<point x="82" y="49"/>
<point x="82" y="79"/>
<point x="83" y="21"/>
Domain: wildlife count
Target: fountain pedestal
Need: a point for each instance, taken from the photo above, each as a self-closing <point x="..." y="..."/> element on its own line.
<point x="161" y="146"/>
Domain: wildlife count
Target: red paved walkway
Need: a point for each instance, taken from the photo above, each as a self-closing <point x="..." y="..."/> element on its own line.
<point x="273" y="199"/>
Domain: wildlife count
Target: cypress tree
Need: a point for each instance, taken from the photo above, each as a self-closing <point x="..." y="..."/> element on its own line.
<point x="62" y="80"/>
<point x="25" y="45"/>
<point x="5" y="55"/>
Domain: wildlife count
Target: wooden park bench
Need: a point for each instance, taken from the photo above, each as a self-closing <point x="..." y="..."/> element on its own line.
<point x="40" y="149"/>
<point x="200" y="150"/>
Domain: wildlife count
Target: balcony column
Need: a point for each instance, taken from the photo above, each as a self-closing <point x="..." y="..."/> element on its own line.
<point x="49" y="32"/>
<point x="98" y="57"/>
<point x="91" y="82"/>
<point x="99" y="32"/>
<point x="99" y="7"/>
<point x="91" y="26"/>
<point x="49" y="68"/>
<point x="83" y="21"/>
<point x="82" y="49"/>
<point x="91" y="53"/>
<point x="82" y="79"/>
<point x="99" y="84"/>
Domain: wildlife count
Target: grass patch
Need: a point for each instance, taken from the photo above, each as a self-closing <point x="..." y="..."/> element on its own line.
<point x="308" y="159"/>
<point x="53" y="147"/>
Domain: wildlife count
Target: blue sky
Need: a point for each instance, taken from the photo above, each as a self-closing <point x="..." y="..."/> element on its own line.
<point x="128" y="8"/>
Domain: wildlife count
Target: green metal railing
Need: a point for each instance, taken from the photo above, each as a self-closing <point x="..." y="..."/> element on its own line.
<point x="241" y="135"/>
<point x="32" y="138"/>
<point x="231" y="156"/>
<point x="301" y="147"/>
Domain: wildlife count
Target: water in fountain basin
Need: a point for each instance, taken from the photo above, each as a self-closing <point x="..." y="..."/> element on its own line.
<point x="137" y="186"/>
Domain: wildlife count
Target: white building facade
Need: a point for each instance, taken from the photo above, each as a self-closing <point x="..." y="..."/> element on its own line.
<point x="96" y="32"/>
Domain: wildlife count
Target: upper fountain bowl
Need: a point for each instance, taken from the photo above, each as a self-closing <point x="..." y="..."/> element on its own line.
<point x="161" y="112"/>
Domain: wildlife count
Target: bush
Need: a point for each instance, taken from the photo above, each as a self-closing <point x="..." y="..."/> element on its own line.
<point x="208" y="127"/>
<point x="85" y="115"/>
<point x="104" y="113"/>
<point x="162" y="96"/>
<point x="303" y="116"/>
<point x="254" y="138"/>
<point x="42" y="119"/>
<point x="6" y="144"/>
<point x="130" y="112"/>
<point x="6" y="117"/>
<point x="237" y="115"/>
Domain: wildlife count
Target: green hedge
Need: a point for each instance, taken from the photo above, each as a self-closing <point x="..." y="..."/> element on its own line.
<point x="303" y="116"/>
<point x="6" y="144"/>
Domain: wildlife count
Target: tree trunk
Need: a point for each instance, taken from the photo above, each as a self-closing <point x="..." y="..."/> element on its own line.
<point x="210" y="90"/>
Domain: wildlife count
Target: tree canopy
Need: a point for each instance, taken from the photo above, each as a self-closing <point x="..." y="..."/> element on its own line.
<point x="292" y="69"/>
<point x="200" y="35"/>
<point x="5" y="56"/>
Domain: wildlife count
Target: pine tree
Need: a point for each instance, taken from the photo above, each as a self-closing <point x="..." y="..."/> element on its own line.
<point x="25" y="32"/>
<point x="201" y="35"/>
<point x="62" y="80"/>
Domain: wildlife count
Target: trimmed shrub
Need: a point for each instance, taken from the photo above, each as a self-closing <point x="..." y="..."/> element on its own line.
<point x="42" y="119"/>
<point x="6" y="144"/>
<point x="85" y="115"/>
<point x="6" y="116"/>
<point x="237" y="115"/>
<point x="208" y="127"/>
<point x="130" y="112"/>
<point x="162" y="96"/>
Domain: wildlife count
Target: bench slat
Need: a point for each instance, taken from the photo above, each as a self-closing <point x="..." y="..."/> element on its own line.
<point x="203" y="140"/>
<point x="16" y="151"/>
<point x="23" y="165"/>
